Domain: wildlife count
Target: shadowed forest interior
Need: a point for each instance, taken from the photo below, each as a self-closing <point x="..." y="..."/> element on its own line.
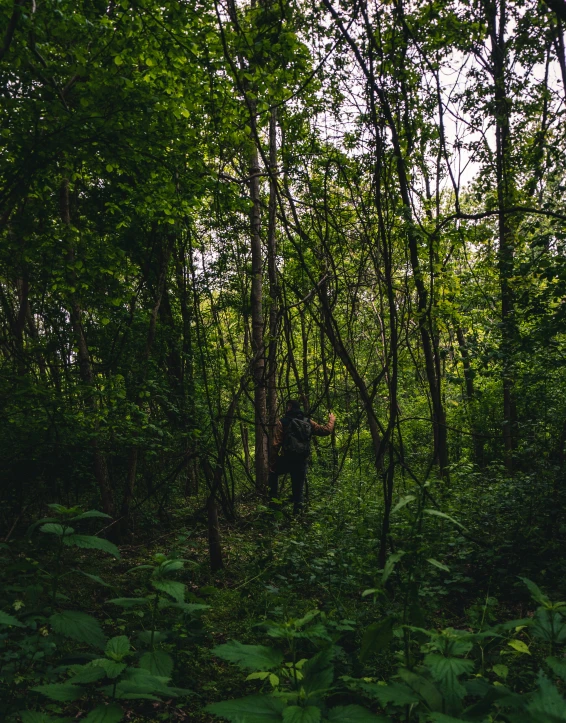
<point x="210" y="209"/>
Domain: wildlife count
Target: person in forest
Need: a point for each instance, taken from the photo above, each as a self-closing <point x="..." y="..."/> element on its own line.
<point x="290" y="450"/>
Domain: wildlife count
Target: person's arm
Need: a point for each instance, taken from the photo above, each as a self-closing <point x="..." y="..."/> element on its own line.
<point x="323" y="430"/>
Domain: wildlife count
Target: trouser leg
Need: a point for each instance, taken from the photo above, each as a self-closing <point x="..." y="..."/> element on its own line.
<point x="298" y="477"/>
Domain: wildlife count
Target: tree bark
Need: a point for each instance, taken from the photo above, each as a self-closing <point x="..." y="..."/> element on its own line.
<point x="506" y="251"/>
<point x="273" y="284"/>
<point x="85" y="366"/>
<point x="256" y="304"/>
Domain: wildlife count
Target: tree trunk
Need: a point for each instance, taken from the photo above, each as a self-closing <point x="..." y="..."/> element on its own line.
<point x="273" y="284"/>
<point x="506" y="252"/>
<point x="85" y="366"/>
<point x="260" y="406"/>
<point x="125" y="510"/>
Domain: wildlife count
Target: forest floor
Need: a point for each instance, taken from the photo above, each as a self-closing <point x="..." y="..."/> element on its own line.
<point x="280" y="570"/>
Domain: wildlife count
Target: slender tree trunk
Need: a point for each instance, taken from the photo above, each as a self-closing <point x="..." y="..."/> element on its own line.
<point x="273" y="283"/>
<point x="260" y="406"/>
<point x="470" y="395"/>
<point x="506" y="252"/>
<point x="125" y="510"/>
<point x="85" y="366"/>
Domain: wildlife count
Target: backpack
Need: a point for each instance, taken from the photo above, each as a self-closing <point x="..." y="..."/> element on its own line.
<point x="297" y="433"/>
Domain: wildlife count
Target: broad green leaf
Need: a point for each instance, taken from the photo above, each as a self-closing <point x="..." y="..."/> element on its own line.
<point x="392" y="560"/>
<point x="395" y="693"/>
<point x="438" y="513"/>
<point x="443" y="718"/>
<point x="446" y="671"/>
<point x="423" y="687"/>
<point x="91" y="542"/>
<point x="33" y="527"/>
<point x="130" y="602"/>
<point x="549" y="626"/>
<point x="105" y="714"/>
<point x="61" y="692"/>
<point x="440" y="565"/>
<point x="54" y="528"/>
<point x="547" y="704"/>
<point x="318" y="673"/>
<point x="402" y="502"/>
<point x="250" y="657"/>
<point x="91" y="513"/>
<point x="117" y="647"/>
<point x="376" y="638"/>
<point x="78" y="626"/>
<point x="298" y="714"/>
<point x="169" y="566"/>
<point x="557" y="666"/>
<point x="502" y="671"/>
<point x="536" y="593"/>
<point x="519" y="646"/>
<point x="171" y="587"/>
<point x="6" y="619"/>
<point x="354" y="714"/>
<point x="110" y="667"/>
<point x="86" y="674"/>
<point x="252" y="709"/>
<point x="157" y="662"/>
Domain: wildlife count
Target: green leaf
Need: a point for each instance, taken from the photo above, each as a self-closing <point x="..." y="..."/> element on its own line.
<point x="91" y="513"/>
<point x="536" y="593"/>
<point x="91" y="542"/>
<point x="169" y="566"/>
<point x="86" y="674"/>
<point x="392" y="560"/>
<point x="78" y="626"/>
<point x="547" y="704"/>
<point x="502" y="671"/>
<point x="62" y="692"/>
<point x="423" y="687"/>
<point x="6" y="619"/>
<point x="171" y="587"/>
<point x="130" y="602"/>
<point x="446" y="670"/>
<point x="443" y="718"/>
<point x="252" y="709"/>
<point x="94" y="578"/>
<point x="376" y="637"/>
<point x="157" y="662"/>
<point x="402" y="502"/>
<point x="354" y="714"/>
<point x="54" y="528"/>
<point x="298" y="714"/>
<point x="117" y="647"/>
<point x="519" y="646"/>
<point x="105" y="714"/>
<point x="318" y="672"/>
<point x="249" y="657"/>
<point x="395" y="693"/>
<point x="110" y="667"/>
<point x="557" y="666"/>
<point x="440" y="565"/>
<point x="438" y="513"/>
